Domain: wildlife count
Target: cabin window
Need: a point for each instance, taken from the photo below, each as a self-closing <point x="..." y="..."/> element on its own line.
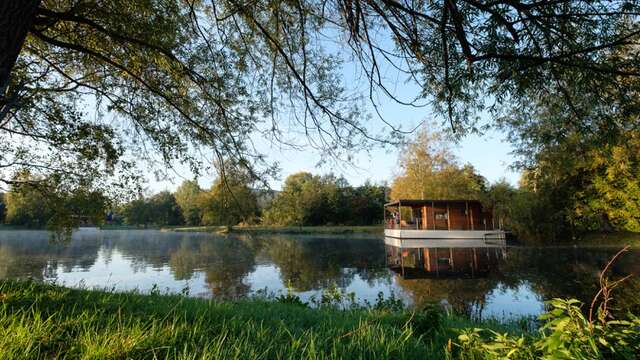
<point x="441" y="216"/>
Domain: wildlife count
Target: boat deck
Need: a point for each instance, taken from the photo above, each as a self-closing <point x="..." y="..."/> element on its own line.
<point x="444" y="243"/>
<point x="445" y="234"/>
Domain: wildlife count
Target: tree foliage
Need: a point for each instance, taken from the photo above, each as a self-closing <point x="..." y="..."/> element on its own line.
<point x="308" y="199"/>
<point x="580" y="158"/>
<point x="187" y="195"/>
<point x="613" y="193"/>
<point x="596" y="190"/>
<point x="180" y="76"/>
<point x="229" y="201"/>
<point x="166" y="209"/>
<point x="159" y="209"/>
<point x="137" y="212"/>
<point x="500" y="198"/>
<point x="48" y="205"/>
<point x="429" y="170"/>
<point x="25" y="206"/>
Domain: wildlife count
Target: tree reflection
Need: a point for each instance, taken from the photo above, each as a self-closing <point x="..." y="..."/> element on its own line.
<point x="312" y="263"/>
<point x="548" y="272"/>
<point x="30" y="254"/>
<point x="224" y="261"/>
<point x="574" y="273"/>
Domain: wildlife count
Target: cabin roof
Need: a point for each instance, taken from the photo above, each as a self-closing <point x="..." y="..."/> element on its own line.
<point x="421" y="202"/>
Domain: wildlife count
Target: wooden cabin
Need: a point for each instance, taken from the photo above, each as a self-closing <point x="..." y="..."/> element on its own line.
<point x="438" y="219"/>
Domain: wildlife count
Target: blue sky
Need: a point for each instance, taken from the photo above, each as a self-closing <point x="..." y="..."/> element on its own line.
<point x="489" y="153"/>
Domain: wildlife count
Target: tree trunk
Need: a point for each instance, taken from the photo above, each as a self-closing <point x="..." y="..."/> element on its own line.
<point x="16" y="18"/>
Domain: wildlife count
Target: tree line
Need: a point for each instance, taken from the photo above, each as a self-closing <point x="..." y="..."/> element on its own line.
<point x="305" y="200"/>
<point x="559" y="195"/>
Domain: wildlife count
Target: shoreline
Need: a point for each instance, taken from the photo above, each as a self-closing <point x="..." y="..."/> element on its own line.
<point x="260" y="229"/>
<point x="591" y="240"/>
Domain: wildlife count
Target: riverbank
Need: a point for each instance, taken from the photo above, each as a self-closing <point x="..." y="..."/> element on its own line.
<point x="39" y="321"/>
<point x="325" y="230"/>
<point x="45" y="321"/>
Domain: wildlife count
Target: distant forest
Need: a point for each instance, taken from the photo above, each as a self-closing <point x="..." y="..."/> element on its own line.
<point x="305" y="200"/>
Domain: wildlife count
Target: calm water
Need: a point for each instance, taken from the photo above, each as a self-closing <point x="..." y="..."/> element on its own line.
<point x="484" y="282"/>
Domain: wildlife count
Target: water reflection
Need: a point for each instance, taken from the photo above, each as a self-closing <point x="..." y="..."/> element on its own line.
<point x="480" y="281"/>
<point x="437" y="262"/>
<point x="462" y="277"/>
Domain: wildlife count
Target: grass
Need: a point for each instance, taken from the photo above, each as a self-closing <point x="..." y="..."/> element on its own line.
<point x="39" y="321"/>
<point x="374" y="229"/>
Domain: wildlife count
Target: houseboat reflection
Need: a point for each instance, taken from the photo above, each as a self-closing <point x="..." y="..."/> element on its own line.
<point x="434" y="259"/>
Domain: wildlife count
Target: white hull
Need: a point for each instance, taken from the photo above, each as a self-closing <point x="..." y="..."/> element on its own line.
<point x="443" y="243"/>
<point x="445" y="234"/>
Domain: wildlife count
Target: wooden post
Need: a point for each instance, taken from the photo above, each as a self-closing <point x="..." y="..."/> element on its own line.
<point x="424" y="217"/>
<point x="453" y="267"/>
<point x="466" y="214"/>
<point x="433" y="215"/>
<point x="437" y="264"/>
<point x="428" y="258"/>
<point x="401" y="262"/>
<point x="472" y="218"/>
<point x="448" y="218"/>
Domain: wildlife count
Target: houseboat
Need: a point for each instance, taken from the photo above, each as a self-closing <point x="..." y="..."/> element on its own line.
<point x="440" y="220"/>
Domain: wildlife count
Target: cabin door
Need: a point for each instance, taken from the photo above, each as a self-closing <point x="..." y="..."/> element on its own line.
<point x="441" y="218"/>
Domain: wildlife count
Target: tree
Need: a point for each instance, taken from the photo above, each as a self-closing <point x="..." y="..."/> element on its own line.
<point x="187" y="196"/>
<point x="288" y="207"/>
<point x="500" y="197"/>
<point x="589" y="187"/>
<point x="26" y="207"/>
<point x="429" y="170"/>
<point x="305" y="200"/>
<point x="193" y="75"/>
<point x="138" y="212"/>
<point x="580" y="159"/>
<point x="366" y="203"/>
<point x="612" y="195"/>
<point x="165" y="209"/>
<point x="311" y="200"/>
<point x="229" y="202"/>
<point x="159" y="209"/>
<point x="48" y="205"/>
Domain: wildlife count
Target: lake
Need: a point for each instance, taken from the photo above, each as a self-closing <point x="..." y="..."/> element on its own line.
<point x="483" y="282"/>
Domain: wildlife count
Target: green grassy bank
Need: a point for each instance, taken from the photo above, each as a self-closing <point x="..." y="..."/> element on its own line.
<point x="375" y="229"/>
<point x="42" y="321"/>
